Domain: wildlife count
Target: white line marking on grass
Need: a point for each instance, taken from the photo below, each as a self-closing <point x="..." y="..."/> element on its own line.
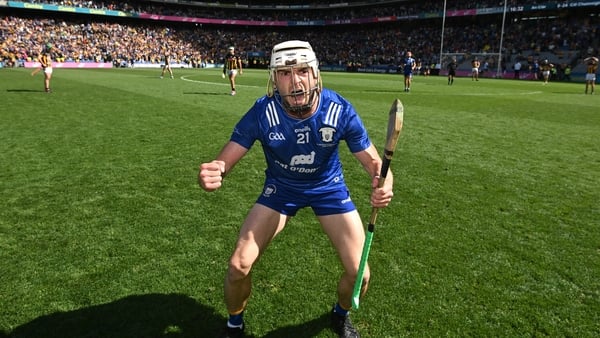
<point x="499" y="93"/>
<point x="444" y="93"/>
<point x="184" y="78"/>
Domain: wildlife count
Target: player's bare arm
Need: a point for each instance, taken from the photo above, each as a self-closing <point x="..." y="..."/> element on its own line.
<point x="211" y="174"/>
<point x="371" y="162"/>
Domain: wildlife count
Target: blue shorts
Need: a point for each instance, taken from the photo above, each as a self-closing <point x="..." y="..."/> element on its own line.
<point x="288" y="201"/>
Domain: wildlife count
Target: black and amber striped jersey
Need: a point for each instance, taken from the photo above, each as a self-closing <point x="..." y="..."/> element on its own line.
<point x="45" y="60"/>
<point x="232" y="61"/>
<point x="546" y="66"/>
<point x="592" y="67"/>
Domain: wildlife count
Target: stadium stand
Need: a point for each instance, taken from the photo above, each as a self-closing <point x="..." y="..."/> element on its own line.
<point x="352" y="36"/>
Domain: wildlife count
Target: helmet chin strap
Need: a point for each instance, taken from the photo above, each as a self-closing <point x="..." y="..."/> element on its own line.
<point x="310" y="96"/>
<point x="301" y="110"/>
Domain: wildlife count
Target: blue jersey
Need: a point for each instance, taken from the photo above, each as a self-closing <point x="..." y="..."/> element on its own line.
<point x="303" y="153"/>
<point x="408" y="65"/>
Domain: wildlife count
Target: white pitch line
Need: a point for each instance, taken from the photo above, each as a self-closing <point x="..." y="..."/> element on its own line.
<point x="184" y="78"/>
<point x="498" y="93"/>
<point x="385" y="92"/>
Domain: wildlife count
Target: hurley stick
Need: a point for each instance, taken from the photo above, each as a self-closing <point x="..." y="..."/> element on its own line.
<point x="393" y="132"/>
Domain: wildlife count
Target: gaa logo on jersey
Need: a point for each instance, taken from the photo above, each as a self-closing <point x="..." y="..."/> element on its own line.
<point x="276" y="137"/>
<point x="327" y="134"/>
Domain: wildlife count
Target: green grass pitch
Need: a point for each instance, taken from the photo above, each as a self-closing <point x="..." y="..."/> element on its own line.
<point x="493" y="231"/>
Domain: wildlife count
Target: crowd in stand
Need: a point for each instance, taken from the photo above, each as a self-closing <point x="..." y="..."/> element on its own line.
<point x="255" y="10"/>
<point x="89" y="41"/>
<point x="137" y="41"/>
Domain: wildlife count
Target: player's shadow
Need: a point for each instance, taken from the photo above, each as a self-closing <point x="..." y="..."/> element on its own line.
<point x="25" y="91"/>
<point x="305" y="330"/>
<point x="206" y="93"/>
<point x="151" y="315"/>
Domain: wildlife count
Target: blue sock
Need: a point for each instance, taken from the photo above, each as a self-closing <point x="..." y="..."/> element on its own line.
<point x="339" y="310"/>
<point x="236" y="320"/>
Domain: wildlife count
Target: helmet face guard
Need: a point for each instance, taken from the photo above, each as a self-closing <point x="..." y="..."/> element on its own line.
<point x="292" y="56"/>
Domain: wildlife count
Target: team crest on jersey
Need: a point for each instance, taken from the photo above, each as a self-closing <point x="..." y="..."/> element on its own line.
<point x="270" y="189"/>
<point x="327" y="134"/>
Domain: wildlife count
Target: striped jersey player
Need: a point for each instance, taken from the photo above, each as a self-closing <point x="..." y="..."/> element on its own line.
<point x="232" y="67"/>
<point x="301" y="126"/>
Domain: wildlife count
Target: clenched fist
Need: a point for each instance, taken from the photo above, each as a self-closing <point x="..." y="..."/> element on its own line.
<point x="210" y="177"/>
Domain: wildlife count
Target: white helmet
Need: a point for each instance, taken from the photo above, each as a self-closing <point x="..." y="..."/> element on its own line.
<point x="290" y="54"/>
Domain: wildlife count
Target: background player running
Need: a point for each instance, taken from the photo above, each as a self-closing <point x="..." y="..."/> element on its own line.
<point x="233" y="65"/>
<point x="408" y="66"/>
